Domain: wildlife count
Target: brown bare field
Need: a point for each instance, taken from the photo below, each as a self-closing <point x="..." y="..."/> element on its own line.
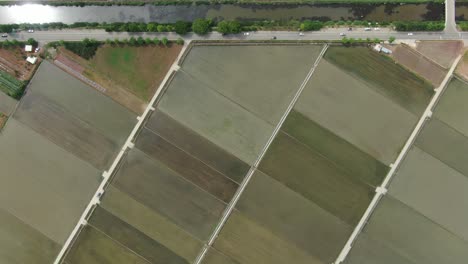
<point x="198" y="146"/>
<point x="113" y="90"/>
<point x="419" y="64"/>
<point x="187" y="166"/>
<point x="66" y="130"/>
<point x="11" y="61"/>
<point x="462" y="68"/>
<point x="442" y="52"/>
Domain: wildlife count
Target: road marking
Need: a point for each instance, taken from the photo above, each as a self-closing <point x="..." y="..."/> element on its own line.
<point x="381" y="191"/>
<point x="227" y="212"/>
<point x="106" y="174"/>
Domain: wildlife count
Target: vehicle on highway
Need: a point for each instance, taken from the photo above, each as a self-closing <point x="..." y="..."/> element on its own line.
<point x="342" y="34"/>
<point x="246" y="33"/>
<point x="376" y="29"/>
<point x="410" y="34"/>
<point x="274" y="37"/>
<point x="350" y="29"/>
<point x="301" y="34"/>
<point x="367" y="29"/>
<point x="4" y="35"/>
<point x="30" y="30"/>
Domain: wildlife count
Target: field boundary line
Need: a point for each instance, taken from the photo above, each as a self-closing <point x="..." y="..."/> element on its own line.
<point x="382" y="189"/>
<point x="107" y="174"/>
<point x="230" y="207"/>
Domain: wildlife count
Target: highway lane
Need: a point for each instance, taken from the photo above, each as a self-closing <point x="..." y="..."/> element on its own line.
<point x="328" y="34"/>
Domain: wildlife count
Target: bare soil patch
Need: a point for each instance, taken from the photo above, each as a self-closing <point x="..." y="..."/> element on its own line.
<point x="419" y="64"/>
<point x="442" y="52"/>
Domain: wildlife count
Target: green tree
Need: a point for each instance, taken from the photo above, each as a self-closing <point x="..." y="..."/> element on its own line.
<point x="140" y="41"/>
<point x="182" y="27"/>
<point x="180" y="41"/>
<point x="108" y="41"/>
<point x="391" y="39"/>
<point x="201" y="26"/>
<point x="309" y="25"/>
<point x="223" y="27"/>
<point x="156" y="41"/>
<point x="132" y="41"/>
<point x="164" y="41"/>
<point x="161" y="28"/>
<point x="148" y="41"/>
<point x="31" y="41"/>
<point x="152" y="27"/>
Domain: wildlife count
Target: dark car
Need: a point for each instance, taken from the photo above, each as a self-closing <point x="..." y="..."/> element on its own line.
<point x="274" y="37"/>
<point x="4" y="35"/>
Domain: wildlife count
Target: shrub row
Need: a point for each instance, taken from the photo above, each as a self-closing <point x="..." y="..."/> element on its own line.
<point x="203" y="26"/>
<point x="11" y="86"/>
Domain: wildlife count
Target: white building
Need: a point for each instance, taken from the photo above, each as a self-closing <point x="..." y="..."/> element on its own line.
<point x="28" y="48"/>
<point x="31" y="59"/>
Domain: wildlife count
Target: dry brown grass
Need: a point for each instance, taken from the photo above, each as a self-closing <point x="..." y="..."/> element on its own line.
<point x="442" y="52"/>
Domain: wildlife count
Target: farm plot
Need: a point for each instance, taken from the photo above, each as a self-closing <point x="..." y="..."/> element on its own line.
<point x="197" y="146"/>
<point x="249" y="243"/>
<point x="442" y="52"/>
<point x="153" y="184"/>
<point x="360" y="166"/>
<point x="306" y="225"/>
<point x="369" y="251"/>
<point x="21" y="243"/>
<point x="10" y="85"/>
<point x="186" y="165"/>
<point x="452" y="107"/>
<point x="109" y="118"/>
<point x="384" y="76"/>
<point x="151" y="223"/>
<point x="132" y="239"/>
<point x="66" y="130"/>
<point x="445" y="144"/>
<point x="46" y="191"/>
<point x="94" y="247"/>
<point x="140" y="70"/>
<point x="216" y="118"/>
<point x="352" y="110"/>
<point x="414" y="236"/>
<point x="213" y="256"/>
<point x="429" y="186"/>
<point x="7" y="104"/>
<point x="316" y="178"/>
<point x="262" y="79"/>
<point x="419" y="64"/>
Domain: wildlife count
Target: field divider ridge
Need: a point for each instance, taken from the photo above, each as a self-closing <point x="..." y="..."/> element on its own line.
<point x="383" y="188"/>
<point x="230" y="207"/>
<point x="107" y="174"/>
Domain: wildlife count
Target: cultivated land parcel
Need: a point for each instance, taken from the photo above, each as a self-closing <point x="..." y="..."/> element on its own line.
<point x="211" y="126"/>
<point x="52" y="151"/>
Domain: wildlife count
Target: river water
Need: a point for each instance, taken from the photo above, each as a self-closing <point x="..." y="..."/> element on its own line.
<point x="33" y="13"/>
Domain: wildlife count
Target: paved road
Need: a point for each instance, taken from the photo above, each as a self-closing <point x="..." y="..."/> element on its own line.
<point x="450" y="24"/>
<point x="329" y="34"/>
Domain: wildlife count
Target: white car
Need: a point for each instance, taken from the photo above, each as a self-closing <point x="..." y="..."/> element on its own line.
<point x="301" y="34"/>
<point x="410" y="34"/>
<point x="367" y="29"/>
<point x="246" y="33"/>
<point x="342" y="34"/>
<point x="37" y="50"/>
<point x="376" y="29"/>
<point x="30" y="30"/>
